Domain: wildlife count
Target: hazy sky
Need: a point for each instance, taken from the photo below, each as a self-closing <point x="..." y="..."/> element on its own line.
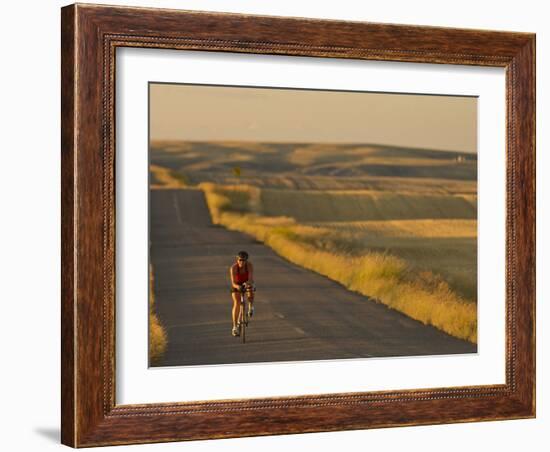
<point x="217" y="113"/>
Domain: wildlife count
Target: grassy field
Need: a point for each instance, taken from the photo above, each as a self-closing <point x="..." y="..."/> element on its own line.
<point x="161" y="177"/>
<point x="397" y="225"/>
<point x="361" y="205"/>
<point x="319" y="167"/>
<point x="157" y="334"/>
<point x="447" y="247"/>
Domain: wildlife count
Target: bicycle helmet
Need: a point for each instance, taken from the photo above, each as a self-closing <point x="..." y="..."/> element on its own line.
<point x="242" y="255"/>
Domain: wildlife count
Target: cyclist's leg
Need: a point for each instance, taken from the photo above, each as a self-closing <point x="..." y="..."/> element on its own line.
<point x="236" y="306"/>
<point x="250" y="297"/>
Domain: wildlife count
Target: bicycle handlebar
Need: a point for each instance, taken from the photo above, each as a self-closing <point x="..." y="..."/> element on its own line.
<point x="245" y="287"/>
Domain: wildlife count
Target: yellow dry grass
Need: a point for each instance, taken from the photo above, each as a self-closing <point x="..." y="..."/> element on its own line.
<point x="165" y="178"/>
<point x="409" y="228"/>
<point x="373" y="265"/>
<point x="447" y="247"/>
<point x="157" y="334"/>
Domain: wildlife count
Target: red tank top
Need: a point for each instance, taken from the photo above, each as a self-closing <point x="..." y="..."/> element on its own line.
<point x="241" y="277"/>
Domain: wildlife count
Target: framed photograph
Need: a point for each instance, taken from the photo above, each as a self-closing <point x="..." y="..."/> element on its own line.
<point x="281" y="225"/>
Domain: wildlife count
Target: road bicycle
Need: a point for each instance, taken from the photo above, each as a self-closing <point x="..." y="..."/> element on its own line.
<point x="243" y="311"/>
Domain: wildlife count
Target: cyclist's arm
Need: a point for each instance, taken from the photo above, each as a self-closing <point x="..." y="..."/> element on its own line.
<point x="232" y="277"/>
<point x="250" y="273"/>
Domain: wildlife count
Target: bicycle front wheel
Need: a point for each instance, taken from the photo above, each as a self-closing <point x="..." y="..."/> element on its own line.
<point x="243" y="323"/>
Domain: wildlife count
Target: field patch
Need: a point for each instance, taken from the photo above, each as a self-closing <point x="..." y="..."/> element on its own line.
<point x="346" y="205"/>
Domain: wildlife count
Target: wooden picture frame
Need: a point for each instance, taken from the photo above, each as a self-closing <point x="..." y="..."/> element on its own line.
<point x="90" y="35"/>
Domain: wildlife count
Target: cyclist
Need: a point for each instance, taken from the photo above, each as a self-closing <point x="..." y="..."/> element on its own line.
<point x="242" y="279"/>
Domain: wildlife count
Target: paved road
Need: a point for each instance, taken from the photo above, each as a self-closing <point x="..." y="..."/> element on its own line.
<point x="300" y="315"/>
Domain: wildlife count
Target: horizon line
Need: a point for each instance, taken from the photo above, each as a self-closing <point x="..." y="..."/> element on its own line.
<point x="344" y="143"/>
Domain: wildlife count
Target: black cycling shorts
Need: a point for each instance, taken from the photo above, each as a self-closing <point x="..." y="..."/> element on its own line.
<point x="233" y="290"/>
